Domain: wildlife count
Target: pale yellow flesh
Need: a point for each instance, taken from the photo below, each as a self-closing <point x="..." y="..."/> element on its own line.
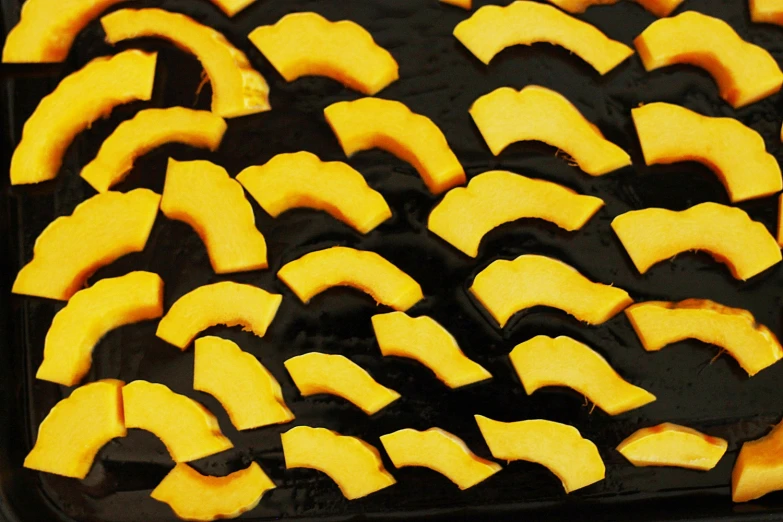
<point x="758" y="469"/>
<point x="232" y="7"/>
<point x="672" y="445"/>
<point x="659" y="8"/>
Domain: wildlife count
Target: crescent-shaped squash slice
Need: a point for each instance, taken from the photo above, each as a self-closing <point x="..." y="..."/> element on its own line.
<point x="238" y="89"/>
<point x="440" y="451"/>
<point x="80" y="99"/>
<point x="505" y="116"/>
<point x="91" y="314"/>
<point x="673" y="445"/>
<point x="734" y="330"/>
<point x="467" y="214"/>
<point x="492" y="28"/>
<point x="318" y="271"/>
<point x="307" y="44"/>
<point x="506" y="287"/>
<point x="370" y="123"/>
<point x="204" y="196"/>
<point x="659" y="8"/>
<point x="726" y="233"/>
<point x="244" y="387"/>
<point x="744" y="72"/>
<point x="300" y="179"/>
<point x="187" y="428"/>
<point x="146" y="131"/>
<point x="424" y="340"/>
<point x="759" y="468"/>
<point x="225" y="303"/>
<point x="465" y="4"/>
<point x="315" y="373"/>
<point x="558" y="447"/>
<point x="100" y="231"/>
<point x="77" y="428"/>
<point x="232" y="7"/>
<point x="353" y="464"/>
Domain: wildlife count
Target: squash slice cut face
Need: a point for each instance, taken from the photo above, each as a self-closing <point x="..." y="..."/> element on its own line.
<point x="758" y="469"/>
<point x="726" y="233"/>
<point x="91" y="314"/>
<point x="659" y="8"/>
<point x="745" y="73"/>
<point x="238" y="89"/>
<point x="766" y="11"/>
<point x="244" y="387"/>
<point x="300" y="179"/>
<point x="465" y="4"/>
<point x="505" y="116"/>
<point x="100" y="231"/>
<point x="492" y="28"/>
<point x="370" y="123"/>
<point x="232" y="7"/>
<point x="465" y="215"/>
<point x="75" y="430"/>
<point x="307" y="44"/>
<point x="672" y="445"/>
<point x="780" y="220"/>
<point x="80" y="99"/>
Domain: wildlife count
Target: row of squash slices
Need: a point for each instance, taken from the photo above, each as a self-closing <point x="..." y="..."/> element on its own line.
<point x="203" y="195"/>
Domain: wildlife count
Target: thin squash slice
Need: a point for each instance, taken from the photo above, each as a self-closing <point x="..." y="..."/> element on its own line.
<point x="780" y="220"/>
<point x="766" y="11"/>
<point x="672" y="445"/>
<point x="759" y="468"/>
<point x="659" y="8"/>
<point x="464" y="4"/>
<point x="232" y="7"/>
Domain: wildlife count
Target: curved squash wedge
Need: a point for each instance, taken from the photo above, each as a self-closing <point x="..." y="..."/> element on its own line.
<point x="77" y="428"/>
<point x="343" y="51"/>
<point x="204" y="196"/>
<point x="659" y="8"/>
<point x="780" y="220"/>
<point x="232" y="7"/>
<point x="673" y="445"/>
<point x="100" y="231"/>
<point x="80" y="99"/>
<point x="370" y="123"/>
<point x="238" y="89"/>
<point x="300" y="179"/>
<point x="758" y="469"/>
<point x="726" y="233"/>
<point x="745" y="73"/>
<point x="465" y="4"/>
<point x="505" y="116"/>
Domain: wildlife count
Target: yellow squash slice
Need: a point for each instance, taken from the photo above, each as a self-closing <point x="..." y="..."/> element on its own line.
<point x="759" y="468"/>
<point x="766" y="11"/>
<point x="659" y="8"/>
<point x="465" y="4"/>
<point x="780" y="221"/>
<point x="673" y="445"/>
<point x="232" y="7"/>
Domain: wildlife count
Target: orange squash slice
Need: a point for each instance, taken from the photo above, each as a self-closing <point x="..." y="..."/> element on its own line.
<point x="506" y="287"/>
<point x="466" y="215"/>
<point x="734" y="330"/>
<point x="301" y="179"/>
<point x="307" y="44"/>
<point x="204" y="196"/>
<point x="91" y="314"/>
<point x="673" y="445"/>
<point x="77" y="428"/>
<point x="766" y="11"/>
<point x="659" y="8"/>
<point x="424" y="340"/>
<point x="505" y="116"/>
<point x="558" y="447"/>
<point x="728" y="234"/>
<point x="80" y="99"/>
<point x="780" y="221"/>
<point x="370" y="123"/>
<point x="232" y="7"/>
<point x="353" y="464"/>
<point x="744" y="72"/>
<point x="440" y="451"/>
<point x="244" y="387"/>
<point x="238" y="89"/>
<point x="318" y="271"/>
<point x="225" y="303"/>
<point x="465" y="4"/>
<point x="758" y="469"/>
<point x="100" y="231"/>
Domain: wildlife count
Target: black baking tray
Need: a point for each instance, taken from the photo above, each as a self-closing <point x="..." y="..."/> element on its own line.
<point x="440" y="79"/>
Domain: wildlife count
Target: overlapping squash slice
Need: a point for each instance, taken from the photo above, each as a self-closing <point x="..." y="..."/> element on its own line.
<point x="300" y="179"/>
<point x="237" y="88"/>
<point x="744" y="72"/>
<point x="424" y="340"/>
<point x="726" y="233"/>
<point x="91" y="314"/>
<point x="204" y="196"/>
<point x="370" y="123"/>
<point x="493" y="28"/>
<point x="657" y="7"/>
<point x="232" y="7"/>
<point x="353" y="464"/>
<point x="759" y="468"/>
<point x="673" y="445"/>
<point x="506" y="287"/>
<point x="80" y="99"/>
<point x="100" y="230"/>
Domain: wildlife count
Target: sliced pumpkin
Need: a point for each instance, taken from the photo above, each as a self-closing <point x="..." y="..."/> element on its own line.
<point x="506" y="287"/>
<point x="424" y="340"/>
<point x="726" y="233"/>
<point x="237" y="88"/>
<point x="744" y="72"/>
<point x="780" y="220"/>
<point x="672" y="445"/>
<point x="465" y="4"/>
<point x="766" y="11"/>
<point x="80" y="99"/>
<point x="232" y="7"/>
<point x="300" y="179"/>
<point x="91" y="314"/>
<point x="659" y="8"/>
<point x="100" y="231"/>
<point x="370" y="123"/>
<point x="244" y="387"/>
<point x="759" y="468"/>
